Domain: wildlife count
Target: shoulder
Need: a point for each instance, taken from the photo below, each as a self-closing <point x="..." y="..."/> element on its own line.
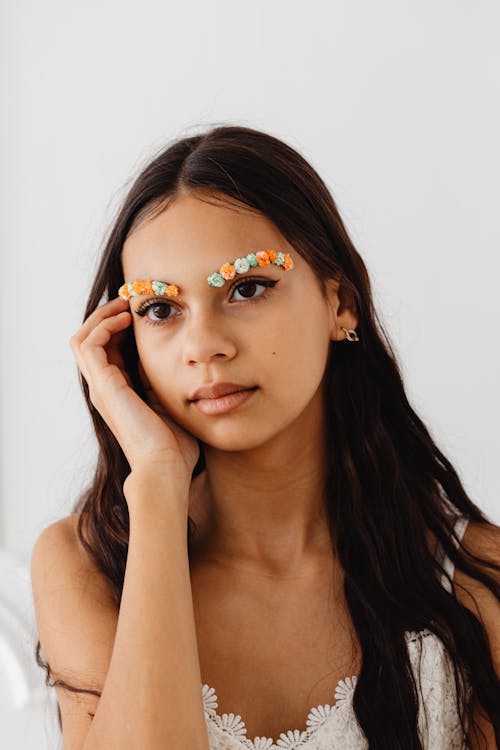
<point x="58" y="555"/>
<point x="60" y="532"/>
<point x="483" y="537"/>
<point x="54" y="548"/>
<point x="58" y="548"/>
<point x="73" y="601"/>
<point x="482" y="540"/>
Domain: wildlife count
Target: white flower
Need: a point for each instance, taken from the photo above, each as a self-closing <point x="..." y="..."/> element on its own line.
<point x="209" y="699"/>
<point x="241" y="265"/>
<point x="318" y="715"/>
<point x="232" y="724"/>
<point x="345" y="689"/>
<point x="291" y="740"/>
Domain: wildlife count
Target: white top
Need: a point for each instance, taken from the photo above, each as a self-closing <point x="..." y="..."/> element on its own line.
<point x="335" y="727"/>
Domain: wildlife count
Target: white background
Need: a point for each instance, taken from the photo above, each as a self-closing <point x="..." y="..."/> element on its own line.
<point x="395" y="103"/>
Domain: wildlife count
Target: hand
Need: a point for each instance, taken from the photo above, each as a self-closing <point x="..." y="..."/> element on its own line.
<point x="151" y="441"/>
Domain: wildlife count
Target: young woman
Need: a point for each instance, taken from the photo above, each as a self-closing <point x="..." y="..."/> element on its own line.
<point x="295" y="565"/>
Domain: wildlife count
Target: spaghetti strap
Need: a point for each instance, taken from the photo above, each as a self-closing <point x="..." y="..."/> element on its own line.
<point x="448" y="565"/>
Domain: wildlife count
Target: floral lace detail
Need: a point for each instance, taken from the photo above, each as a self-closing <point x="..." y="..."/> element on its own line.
<point x="334" y="727"/>
<point x="235" y="727"/>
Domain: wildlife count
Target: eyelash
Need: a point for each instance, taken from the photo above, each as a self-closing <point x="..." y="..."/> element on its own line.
<point x="142" y="310"/>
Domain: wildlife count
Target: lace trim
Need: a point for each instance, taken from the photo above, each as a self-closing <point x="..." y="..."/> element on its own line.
<point x="233" y="725"/>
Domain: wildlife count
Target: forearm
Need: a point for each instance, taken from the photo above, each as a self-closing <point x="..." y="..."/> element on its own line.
<point x="152" y="694"/>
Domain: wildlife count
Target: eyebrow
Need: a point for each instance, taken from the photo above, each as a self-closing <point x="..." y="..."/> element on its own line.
<point x="154" y="288"/>
<point x="226" y="272"/>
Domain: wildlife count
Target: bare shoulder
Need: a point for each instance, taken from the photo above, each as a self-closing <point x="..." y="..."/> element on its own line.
<point x="76" y="621"/>
<point x="482" y="540"/>
<point x="484" y="536"/>
<point x="58" y="552"/>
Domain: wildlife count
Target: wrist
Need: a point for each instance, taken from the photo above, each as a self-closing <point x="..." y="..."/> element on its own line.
<point x="144" y="488"/>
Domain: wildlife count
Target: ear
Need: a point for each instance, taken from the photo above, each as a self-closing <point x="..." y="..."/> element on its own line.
<point x="342" y="309"/>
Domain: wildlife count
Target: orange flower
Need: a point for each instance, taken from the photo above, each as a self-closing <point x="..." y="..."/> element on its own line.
<point x="262" y="258"/>
<point x="288" y="262"/>
<point x="143" y="287"/>
<point x="172" y="290"/>
<point x="272" y="255"/>
<point x="227" y="271"/>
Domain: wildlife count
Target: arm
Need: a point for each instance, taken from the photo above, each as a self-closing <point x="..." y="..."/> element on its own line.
<point x="152" y="693"/>
<point x="140" y="660"/>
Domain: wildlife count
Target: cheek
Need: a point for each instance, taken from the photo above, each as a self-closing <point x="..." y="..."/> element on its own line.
<point x="302" y="329"/>
<point x="157" y="362"/>
<point x="299" y="353"/>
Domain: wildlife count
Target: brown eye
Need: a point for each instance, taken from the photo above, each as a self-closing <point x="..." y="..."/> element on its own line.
<point x="250" y="284"/>
<point x="162" y="308"/>
<point x="155" y="304"/>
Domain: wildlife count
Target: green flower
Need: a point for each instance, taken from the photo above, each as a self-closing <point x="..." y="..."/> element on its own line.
<point x="216" y="279"/>
<point x="252" y="260"/>
<point x="159" y="287"/>
<point x="280" y="260"/>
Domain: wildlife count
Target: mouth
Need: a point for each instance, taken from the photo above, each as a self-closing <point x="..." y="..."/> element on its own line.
<point x="225" y="403"/>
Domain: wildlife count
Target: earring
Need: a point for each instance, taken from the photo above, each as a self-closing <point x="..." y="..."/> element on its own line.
<point x="350" y="335"/>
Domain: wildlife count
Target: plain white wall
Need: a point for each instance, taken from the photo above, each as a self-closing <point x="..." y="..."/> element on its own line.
<point x="395" y="103"/>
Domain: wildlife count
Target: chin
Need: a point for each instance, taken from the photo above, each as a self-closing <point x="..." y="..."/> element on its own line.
<point x="235" y="438"/>
<point x="233" y="443"/>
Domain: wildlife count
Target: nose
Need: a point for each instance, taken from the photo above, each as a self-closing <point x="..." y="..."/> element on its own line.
<point x="206" y="340"/>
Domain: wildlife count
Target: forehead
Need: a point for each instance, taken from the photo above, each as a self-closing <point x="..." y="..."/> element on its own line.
<point x="192" y="238"/>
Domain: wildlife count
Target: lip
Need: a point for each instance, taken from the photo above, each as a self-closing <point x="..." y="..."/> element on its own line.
<point x="215" y="390"/>
<point x="224" y="403"/>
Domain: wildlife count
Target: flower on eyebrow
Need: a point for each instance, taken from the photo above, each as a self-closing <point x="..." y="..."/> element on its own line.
<point x="226" y="272"/>
<point x="142" y="287"/>
<point x="241" y="265"/>
<point x="147" y="286"/>
<point x="262" y="258"/>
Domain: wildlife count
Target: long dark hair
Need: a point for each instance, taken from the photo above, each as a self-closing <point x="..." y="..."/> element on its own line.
<point x="387" y="483"/>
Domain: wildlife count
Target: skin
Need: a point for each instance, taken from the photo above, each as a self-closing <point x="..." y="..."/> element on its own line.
<point x="259" y="505"/>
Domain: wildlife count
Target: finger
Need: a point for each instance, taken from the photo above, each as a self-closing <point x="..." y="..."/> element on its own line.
<point x="94" y="345"/>
<point x="100" y="313"/>
<point x="91" y="354"/>
<point x="112" y="307"/>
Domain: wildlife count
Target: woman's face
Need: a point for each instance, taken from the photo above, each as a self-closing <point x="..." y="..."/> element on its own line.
<point x="276" y="338"/>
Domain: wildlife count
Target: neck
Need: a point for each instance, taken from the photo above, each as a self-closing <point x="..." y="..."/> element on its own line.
<point x="263" y="510"/>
